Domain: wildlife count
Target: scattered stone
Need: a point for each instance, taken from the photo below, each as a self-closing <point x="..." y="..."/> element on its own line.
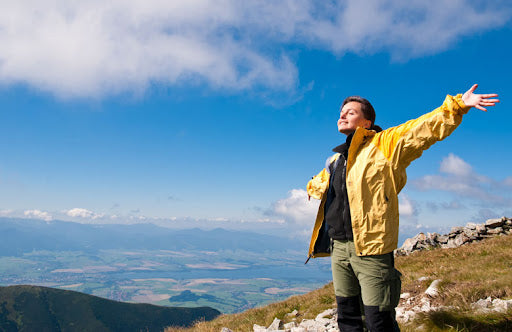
<point x="471" y="225"/>
<point x="441" y="239"/>
<point x="294" y="313"/>
<point x="276" y="325"/>
<point x="457" y="237"/>
<point x="502" y="305"/>
<point x="289" y="326"/>
<point x="489" y="305"/>
<point x="433" y="289"/>
<point x="480" y="228"/>
<point x="495" y="231"/>
<point x="259" y="328"/>
<point x="225" y="329"/>
<point x="405" y="295"/>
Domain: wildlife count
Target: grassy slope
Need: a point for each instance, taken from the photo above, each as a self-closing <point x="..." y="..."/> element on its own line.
<point x="33" y="308"/>
<point x="468" y="273"/>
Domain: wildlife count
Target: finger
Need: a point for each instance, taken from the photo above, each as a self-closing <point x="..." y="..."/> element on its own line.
<point x="489" y="95"/>
<point x="481" y="108"/>
<point x="492" y="100"/>
<point x="473" y="88"/>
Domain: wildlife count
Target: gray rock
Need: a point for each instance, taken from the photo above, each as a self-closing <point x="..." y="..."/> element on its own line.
<point x="405" y="295"/>
<point x="495" y="231"/>
<point x="288" y="326"/>
<point x="433" y="289"/>
<point x="276" y="325"/>
<point x="409" y="245"/>
<point x="461" y="239"/>
<point x="325" y="313"/>
<point x="442" y="239"/>
<point x="225" y="329"/>
<point x="471" y="226"/>
<point x="492" y="223"/>
<point x="294" y="313"/>
<point x="502" y="305"/>
<point x="472" y="234"/>
<point x="482" y="303"/>
<point x="456" y="230"/>
<point x="450" y="244"/>
<point x="259" y="328"/>
<point x="481" y="229"/>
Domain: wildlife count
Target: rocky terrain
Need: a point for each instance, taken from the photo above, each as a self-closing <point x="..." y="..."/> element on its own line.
<point x="411" y="305"/>
<point x="458" y="236"/>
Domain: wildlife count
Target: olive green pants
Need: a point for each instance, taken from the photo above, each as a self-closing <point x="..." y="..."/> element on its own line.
<point x="373" y="278"/>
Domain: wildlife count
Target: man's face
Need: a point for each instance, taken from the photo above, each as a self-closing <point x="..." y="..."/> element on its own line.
<point x="351" y="117"/>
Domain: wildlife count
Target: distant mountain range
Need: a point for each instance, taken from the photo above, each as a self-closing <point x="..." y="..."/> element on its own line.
<point x="18" y="236"/>
<point x="33" y="308"/>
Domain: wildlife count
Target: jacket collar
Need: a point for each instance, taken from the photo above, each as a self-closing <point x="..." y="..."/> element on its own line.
<point x="344" y="147"/>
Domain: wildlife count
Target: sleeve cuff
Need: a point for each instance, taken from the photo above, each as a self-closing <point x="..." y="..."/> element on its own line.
<point x="460" y="107"/>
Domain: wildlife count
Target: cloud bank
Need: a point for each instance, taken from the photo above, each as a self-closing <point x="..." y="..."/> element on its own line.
<point x="458" y="177"/>
<point x="83" y="49"/>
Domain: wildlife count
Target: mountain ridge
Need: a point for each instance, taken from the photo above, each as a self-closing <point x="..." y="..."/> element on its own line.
<point x="36" y="308"/>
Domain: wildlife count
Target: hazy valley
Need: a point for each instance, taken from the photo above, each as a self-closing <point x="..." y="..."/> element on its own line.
<point x="227" y="270"/>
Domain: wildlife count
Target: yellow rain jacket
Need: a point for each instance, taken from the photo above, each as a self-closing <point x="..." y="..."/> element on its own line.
<point x="376" y="174"/>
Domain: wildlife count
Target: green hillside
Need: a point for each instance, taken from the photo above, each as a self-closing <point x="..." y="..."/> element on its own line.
<point x="468" y="273"/>
<point x="33" y="308"/>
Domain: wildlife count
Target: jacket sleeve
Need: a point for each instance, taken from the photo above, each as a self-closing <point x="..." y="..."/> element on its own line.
<point x="318" y="184"/>
<point x="406" y="142"/>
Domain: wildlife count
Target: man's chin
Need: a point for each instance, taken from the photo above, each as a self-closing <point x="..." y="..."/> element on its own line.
<point x="346" y="131"/>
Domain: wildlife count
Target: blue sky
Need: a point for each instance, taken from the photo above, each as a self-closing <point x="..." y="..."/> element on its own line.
<point x="216" y="114"/>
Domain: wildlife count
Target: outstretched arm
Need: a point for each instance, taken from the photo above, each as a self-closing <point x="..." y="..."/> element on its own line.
<point x="479" y="100"/>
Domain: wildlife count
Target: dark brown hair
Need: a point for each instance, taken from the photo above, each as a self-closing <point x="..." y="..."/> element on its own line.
<point x="366" y="107"/>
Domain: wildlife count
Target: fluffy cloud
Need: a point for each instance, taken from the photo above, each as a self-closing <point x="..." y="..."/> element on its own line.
<point x="83" y="213"/>
<point x="458" y="177"/>
<point x="37" y="214"/>
<point x="455" y="166"/>
<point x="94" y="48"/>
<point x="295" y="208"/>
<point x="406" y="206"/>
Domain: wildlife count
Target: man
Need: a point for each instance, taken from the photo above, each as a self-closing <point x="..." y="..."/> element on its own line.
<point x="357" y="221"/>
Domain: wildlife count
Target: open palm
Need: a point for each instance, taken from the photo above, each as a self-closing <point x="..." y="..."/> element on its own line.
<point x="479" y="101"/>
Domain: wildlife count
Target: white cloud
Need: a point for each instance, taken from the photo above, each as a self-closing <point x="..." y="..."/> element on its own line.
<point x="455" y="166"/>
<point x="95" y="48"/>
<point x="406" y="206"/>
<point x="83" y="213"/>
<point x="296" y="208"/>
<point x="37" y="214"/>
<point x="460" y="179"/>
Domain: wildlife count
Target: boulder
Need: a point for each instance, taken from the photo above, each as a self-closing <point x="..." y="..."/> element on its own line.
<point x="481" y="229"/>
<point x="461" y="239"/>
<point x="259" y="328"/>
<point x="495" y="231"/>
<point x="276" y="325"/>
<point x="433" y="289"/>
<point x="493" y="223"/>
